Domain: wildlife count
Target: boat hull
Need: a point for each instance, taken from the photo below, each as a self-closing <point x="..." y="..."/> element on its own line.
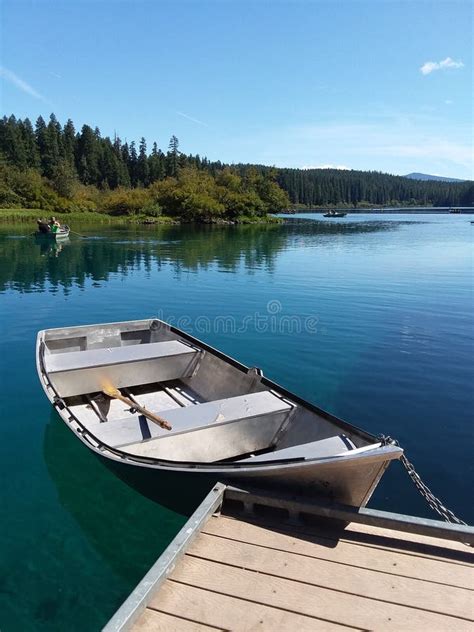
<point x="350" y="483"/>
<point x="353" y="485"/>
<point x="349" y="478"/>
<point x="59" y="236"/>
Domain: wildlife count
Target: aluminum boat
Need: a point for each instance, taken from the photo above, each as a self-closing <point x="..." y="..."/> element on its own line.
<point x="45" y="232"/>
<point x="228" y="422"/>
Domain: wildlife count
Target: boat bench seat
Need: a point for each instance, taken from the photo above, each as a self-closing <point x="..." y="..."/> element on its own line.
<point x="81" y="372"/>
<point x="332" y="446"/>
<point x="205" y="432"/>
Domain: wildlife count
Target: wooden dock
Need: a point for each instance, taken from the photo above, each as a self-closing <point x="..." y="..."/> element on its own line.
<point x="264" y="563"/>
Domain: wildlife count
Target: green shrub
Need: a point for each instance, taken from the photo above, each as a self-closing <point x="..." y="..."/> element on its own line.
<point x="125" y="201"/>
<point x="152" y="209"/>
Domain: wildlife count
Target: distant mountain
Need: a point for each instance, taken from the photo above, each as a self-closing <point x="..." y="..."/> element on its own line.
<point x="426" y="176"/>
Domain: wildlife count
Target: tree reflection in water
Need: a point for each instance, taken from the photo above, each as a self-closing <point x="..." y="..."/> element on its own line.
<point x="28" y="264"/>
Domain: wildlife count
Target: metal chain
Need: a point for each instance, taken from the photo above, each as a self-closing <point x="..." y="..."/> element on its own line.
<point x="424" y="490"/>
<point x="428" y="495"/>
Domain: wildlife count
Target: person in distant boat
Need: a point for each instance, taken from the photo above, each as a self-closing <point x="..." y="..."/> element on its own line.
<point x="43" y="225"/>
<point x="54" y="225"/>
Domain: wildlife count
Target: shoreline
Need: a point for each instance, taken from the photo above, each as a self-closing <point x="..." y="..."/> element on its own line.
<point x="462" y="210"/>
<point x="27" y="216"/>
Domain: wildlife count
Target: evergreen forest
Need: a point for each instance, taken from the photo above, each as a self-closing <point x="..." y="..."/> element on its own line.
<point x="56" y="168"/>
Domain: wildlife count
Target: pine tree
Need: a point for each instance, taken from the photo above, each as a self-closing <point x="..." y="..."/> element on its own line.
<point x="28" y="134"/>
<point x="12" y="144"/>
<point x="143" y="169"/>
<point x="172" y="158"/>
<point x="87" y="157"/>
<point x="132" y="164"/>
<point x="69" y="143"/>
<point x="40" y="133"/>
<point x="51" y="147"/>
<point x="156" y="163"/>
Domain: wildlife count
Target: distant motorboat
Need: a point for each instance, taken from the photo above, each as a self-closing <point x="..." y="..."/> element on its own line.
<point x="456" y="211"/>
<point x="335" y="214"/>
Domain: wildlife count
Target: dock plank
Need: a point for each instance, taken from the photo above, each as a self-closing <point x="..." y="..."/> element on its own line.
<point x="404" y="591"/>
<point x="323" y="603"/>
<point x="228" y="612"/>
<point x="153" y="621"/>
<point x="451" y="545"/>
<point x="345" y="552"/>
<point x="384" y="539"/>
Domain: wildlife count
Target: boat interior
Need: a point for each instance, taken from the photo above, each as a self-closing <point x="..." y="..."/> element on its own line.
<point x="218" y="412"/>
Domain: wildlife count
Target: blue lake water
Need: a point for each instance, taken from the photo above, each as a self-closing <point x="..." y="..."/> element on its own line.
<point x="369" y="317"/>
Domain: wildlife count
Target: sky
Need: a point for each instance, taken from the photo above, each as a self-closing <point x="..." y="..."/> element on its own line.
<point x="374" y="85"/>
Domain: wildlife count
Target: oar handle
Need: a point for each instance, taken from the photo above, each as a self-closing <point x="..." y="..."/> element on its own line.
<point x="152" y="417"/>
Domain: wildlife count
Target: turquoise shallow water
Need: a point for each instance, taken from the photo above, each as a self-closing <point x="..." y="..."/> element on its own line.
<point x="368" y="317"/>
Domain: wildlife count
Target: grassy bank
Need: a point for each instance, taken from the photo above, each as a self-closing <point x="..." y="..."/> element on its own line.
<point x="25" y="215"/>
<point x="29" y="216"/>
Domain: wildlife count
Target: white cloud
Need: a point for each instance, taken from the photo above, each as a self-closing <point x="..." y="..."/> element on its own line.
<point x="430" y="66"/>
<point x="190" y="118"/>
<point x="19" y="83"/>
<point x="342" y="167"/>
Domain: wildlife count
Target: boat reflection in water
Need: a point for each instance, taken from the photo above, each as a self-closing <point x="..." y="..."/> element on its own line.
<point x="50" y="247"/>
<point x="127" y="529"/>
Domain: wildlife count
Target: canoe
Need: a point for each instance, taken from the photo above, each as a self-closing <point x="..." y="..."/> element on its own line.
<point x="228" y="421"/>
<point x="335" y="214"/>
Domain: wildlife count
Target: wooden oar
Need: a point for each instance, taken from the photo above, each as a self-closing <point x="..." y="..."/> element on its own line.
<point x="113" y="392"/>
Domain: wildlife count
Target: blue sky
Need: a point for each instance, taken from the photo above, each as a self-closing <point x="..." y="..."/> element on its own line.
<point x="381" y="85"/>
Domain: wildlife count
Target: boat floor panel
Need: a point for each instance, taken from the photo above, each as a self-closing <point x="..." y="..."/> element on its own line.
<point x="162" y="398"/>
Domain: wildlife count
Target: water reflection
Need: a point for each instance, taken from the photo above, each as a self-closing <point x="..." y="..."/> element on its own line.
<point x="29" y="265"/>
<point x="128" y="530"/>
<point x="50" y="248"/>
<point x="392" y="353"/>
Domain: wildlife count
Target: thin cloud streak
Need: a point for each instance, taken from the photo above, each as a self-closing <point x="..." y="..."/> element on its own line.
<point x="396" y="145"/>
<point x="190" y="118"/>
<point x="430" y="66"/>
<point x="403" y="141"/>
<point x="19" y="83"/>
